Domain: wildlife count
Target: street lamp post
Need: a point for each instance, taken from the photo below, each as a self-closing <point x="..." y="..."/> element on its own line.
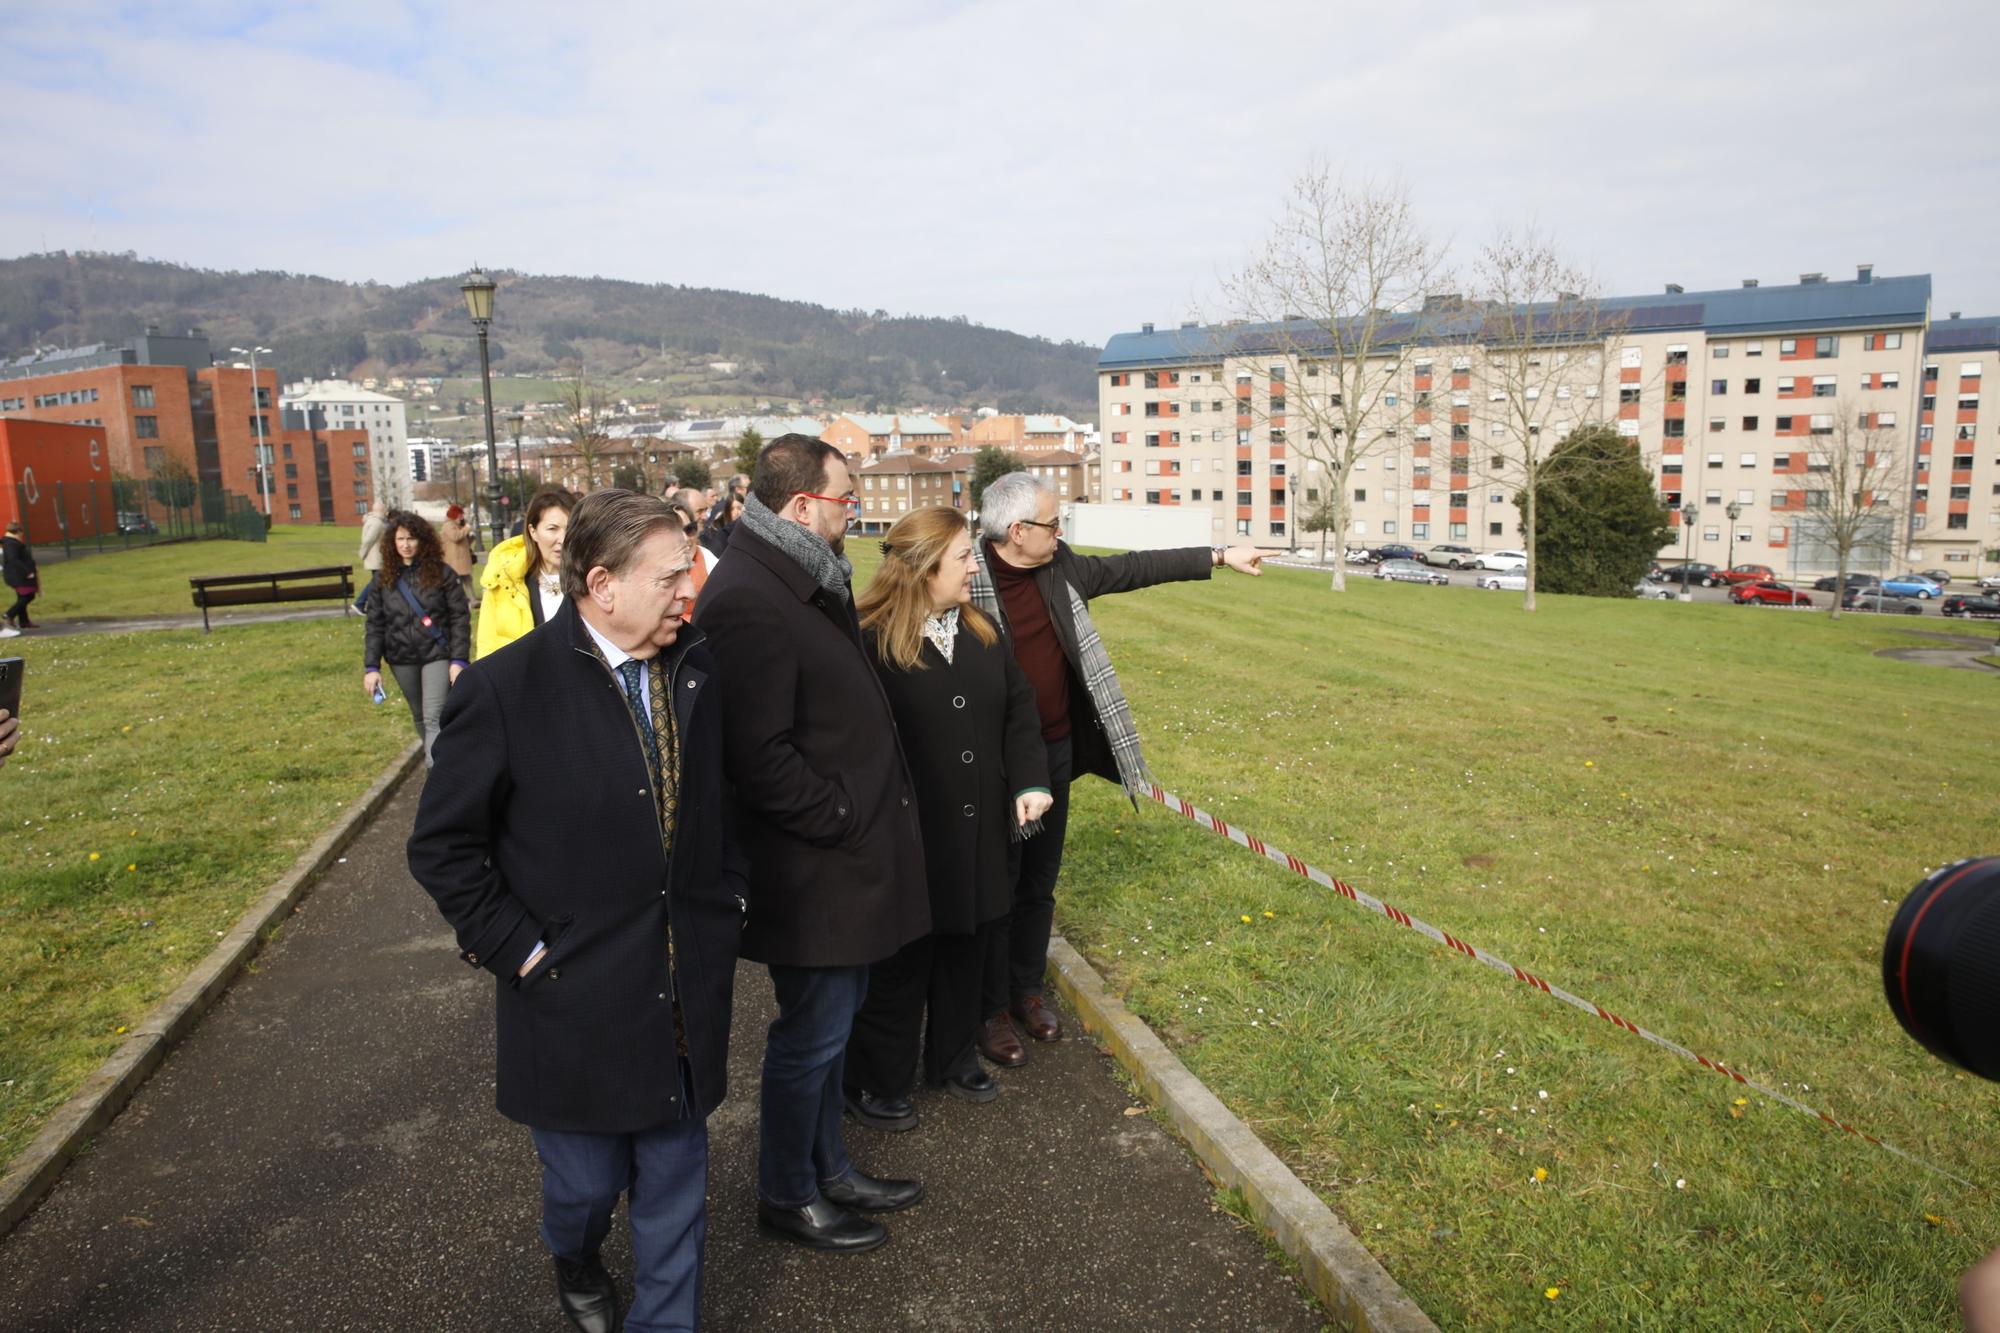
<point x="1735" y="511"/>
<point x="1292" y="484"/>
<point x="1690" y="511"/>
<point x="478" y="289"/>
<point x="518" y="420"/>
<point x="257" y="421"/>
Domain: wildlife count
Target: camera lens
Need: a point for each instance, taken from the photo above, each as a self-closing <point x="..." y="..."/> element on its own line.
<point x="1941" y="965"/>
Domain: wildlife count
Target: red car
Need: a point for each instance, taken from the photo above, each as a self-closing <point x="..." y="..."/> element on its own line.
<point x="1736" y="574"/>
<point x="1766" y="593"/>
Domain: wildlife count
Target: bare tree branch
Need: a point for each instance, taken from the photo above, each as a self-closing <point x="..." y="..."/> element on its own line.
<point x="1844" y="490"/>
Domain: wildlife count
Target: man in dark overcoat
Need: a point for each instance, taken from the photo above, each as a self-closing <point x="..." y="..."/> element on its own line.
<point x="836" y="857"/>
<point x="574" y="833"/>
<point x="1039" y="590"/>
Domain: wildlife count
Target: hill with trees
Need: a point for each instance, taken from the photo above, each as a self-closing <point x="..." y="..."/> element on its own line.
<point x="782" y="351"/>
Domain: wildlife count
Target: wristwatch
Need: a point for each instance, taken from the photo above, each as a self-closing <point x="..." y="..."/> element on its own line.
<point x="1217" y="551"/>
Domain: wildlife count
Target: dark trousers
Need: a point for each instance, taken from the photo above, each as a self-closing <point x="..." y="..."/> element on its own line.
<point x="941" y="974"/>
<point x="664" y="1172"/>
<point x="798" y="1131"/>
<point x="1019" y="958"/>
<point x="18" y="612"/>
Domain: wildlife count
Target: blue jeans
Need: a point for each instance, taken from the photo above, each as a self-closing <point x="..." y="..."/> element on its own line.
<point x="665" y="1172"/>
<point x="798" y="1131"/>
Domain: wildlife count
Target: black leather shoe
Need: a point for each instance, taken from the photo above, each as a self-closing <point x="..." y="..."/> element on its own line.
<point x="587" y="1295"/>
<point x="865" y="1194"/>
<point x="978" y="1086"/>
<point x="894" y="1114"/>
<point x="821" y="1225"/>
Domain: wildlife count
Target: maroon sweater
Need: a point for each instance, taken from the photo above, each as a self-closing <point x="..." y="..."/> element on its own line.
<point x="1036" y="646"/>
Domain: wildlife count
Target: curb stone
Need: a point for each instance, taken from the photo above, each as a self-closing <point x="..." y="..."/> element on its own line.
<point x="1356" y="1289"/>
<point x="31" y="1175"/>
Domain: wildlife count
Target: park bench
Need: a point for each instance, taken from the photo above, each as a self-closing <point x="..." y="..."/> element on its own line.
<point x="286" y="585"/>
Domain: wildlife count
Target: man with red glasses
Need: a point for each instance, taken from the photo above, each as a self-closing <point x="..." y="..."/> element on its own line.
<point x="836" y="858"/>
<point x="1038" y="590"/>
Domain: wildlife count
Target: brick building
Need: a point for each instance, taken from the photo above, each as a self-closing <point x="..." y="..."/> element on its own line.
<point x="863" y="435"/>
<point x="1029" y="434"/>
<point x="894" y="483"/>
<point x="157" y="398"/>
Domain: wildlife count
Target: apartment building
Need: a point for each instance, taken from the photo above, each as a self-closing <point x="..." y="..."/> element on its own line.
<point x="348" y="406"/>
<point x="894" y="483"/>
<point x="322" y="474"/>
<point x="867" y="434"/>
<point x="1955" y="520"/>
<point x="1732" y="396"/>
<point x="157" y="397"/>
<point x="1031" y="433"/>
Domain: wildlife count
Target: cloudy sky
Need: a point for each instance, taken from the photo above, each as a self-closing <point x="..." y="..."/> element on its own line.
<point x="1066" y="169"/>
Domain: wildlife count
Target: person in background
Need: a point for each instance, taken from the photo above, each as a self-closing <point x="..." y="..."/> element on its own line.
<point x="966" y="716"/>
<point x="836" y="858"/>
<point x="372" y="531"/>
<point x="704" y="562"/>
<point x="17" y="567"/>
<point x="1038" y="589"/>
<point x="456" y="537"/>
<point x="608" y="920"/>
<point x="523" y="579"/>
<point x="721" y="524"/>
<point x="418" y="624"/>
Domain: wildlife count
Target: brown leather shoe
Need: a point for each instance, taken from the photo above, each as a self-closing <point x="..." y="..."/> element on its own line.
<point x="1037" y="1019"/>
<point x="999" y="1042"/>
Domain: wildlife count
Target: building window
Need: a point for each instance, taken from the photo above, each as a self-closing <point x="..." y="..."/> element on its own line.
<point x="1955" y="522"/>
<point x="1361" y="496"/>
<point x="1420" y="532"/>
<point x="1720" y="351"/>
<point x="1718" y="387"/>
<point x="142" y="395"/>
<point x="146" y="428"/>
<point x="1243" y="497"/>
<point x="1278" y="530"/>
<point x="1749" y="423"/>
<point x="1715" y="460"/>
<point x="1673" y="428"/>
<point x="295" y="511"/>
<point x="1716" y="425"/>
<point x="1458" y="531"/>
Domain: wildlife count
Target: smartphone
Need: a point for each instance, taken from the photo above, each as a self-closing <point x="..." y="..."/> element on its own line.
<point x="10" y="684"/>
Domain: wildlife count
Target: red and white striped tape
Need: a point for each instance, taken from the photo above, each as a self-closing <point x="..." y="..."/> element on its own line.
<point x="1292" y="863"/>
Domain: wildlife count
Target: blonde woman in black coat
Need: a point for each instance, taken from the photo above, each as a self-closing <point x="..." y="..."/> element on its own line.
<point x="970" y="733"/>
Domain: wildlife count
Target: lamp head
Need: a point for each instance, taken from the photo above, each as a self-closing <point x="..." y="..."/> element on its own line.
<point x="478" y="289"/>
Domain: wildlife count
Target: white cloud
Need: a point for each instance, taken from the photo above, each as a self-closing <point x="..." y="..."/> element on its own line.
<point x="1055" y="168"/>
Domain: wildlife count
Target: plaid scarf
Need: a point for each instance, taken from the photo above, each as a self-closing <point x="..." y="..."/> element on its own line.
<point x="1094" y="666"/>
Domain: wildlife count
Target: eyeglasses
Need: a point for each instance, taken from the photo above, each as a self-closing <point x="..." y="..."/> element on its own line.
<point x="1054" y="528"/>
<point x="851" y="501"/>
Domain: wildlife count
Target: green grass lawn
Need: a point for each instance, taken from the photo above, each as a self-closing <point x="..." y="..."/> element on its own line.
<point x="1700" y="817"/>
<point x="164" y="780"/>
<point x="153" y="580"/>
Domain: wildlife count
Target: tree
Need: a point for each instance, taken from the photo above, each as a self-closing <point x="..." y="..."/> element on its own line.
<point x="988" y="466"/>
<point x="1340" y="292"/>
<point x="748" y="445"/>
<point x="1546" y="342"/>
<point x="172" y="482"/>
<point x="1323" y="517"/>
<point x="1600" y="520"/>
<point x="581" y="409"/>
<point x="689" y="470"/>
<point x="629" y="477"/>
<point x="1843" y="490"/>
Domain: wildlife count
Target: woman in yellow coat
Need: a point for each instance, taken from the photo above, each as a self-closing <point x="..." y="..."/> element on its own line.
<point x="522" y="582"/>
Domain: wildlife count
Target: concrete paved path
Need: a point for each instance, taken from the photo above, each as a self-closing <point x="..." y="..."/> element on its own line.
<point x="323" y="1154"/>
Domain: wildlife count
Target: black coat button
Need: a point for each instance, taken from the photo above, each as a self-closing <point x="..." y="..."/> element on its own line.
<point x="966" y="757"/>
<point x="555" y="974"/>
<point x="968" y="812"/>
<point x="958" y="701"/>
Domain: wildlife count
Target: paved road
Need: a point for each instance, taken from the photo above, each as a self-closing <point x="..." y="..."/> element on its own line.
<point x="323" y="1154"/>
<point x="45" y="629"/>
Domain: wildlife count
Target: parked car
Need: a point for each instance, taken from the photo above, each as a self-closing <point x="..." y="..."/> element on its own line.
<point x="1736" y="574"/>
<point x="1882" y="603"/>
<point x="1395" y="551"/>
<point x="1691" y="571"/>
<point x="1654" y="592"/>
<point x="1853" y="581"/>
<point x="1911" y="585"/>
<point x="1451" y="557"/>
<point x="1941" y="577"/>
<point x="1965" y="604"/>
<point x="1763" y="592"/>
<point x="135" y="523"/>
<point x="1990" y="581"/>
<point x="1506" y="580"/>
<point x="1502" y="560"/>
<point x="1410" y="571"/>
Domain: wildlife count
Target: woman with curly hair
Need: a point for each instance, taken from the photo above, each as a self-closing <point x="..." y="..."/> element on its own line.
<point x="418" y="623"/>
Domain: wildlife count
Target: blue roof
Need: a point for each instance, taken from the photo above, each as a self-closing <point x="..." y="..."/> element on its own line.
<point x="1731" y="310"/>
<point x="1964" y="335"/>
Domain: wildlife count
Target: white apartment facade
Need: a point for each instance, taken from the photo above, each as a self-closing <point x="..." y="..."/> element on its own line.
<point x="1730" y="394"/>
<point x="1957" y="514"/>
<point x="348" y="406"/>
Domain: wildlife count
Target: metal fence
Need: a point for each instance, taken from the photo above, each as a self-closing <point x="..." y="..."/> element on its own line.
<point x="113" y="515"/>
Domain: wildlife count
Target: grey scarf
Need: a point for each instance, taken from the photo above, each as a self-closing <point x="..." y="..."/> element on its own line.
<point x="829" y="570"/>
<point x="1094" y="666"/>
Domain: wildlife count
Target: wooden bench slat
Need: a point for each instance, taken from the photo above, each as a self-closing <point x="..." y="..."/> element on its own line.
<point x="285" y="585"/>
